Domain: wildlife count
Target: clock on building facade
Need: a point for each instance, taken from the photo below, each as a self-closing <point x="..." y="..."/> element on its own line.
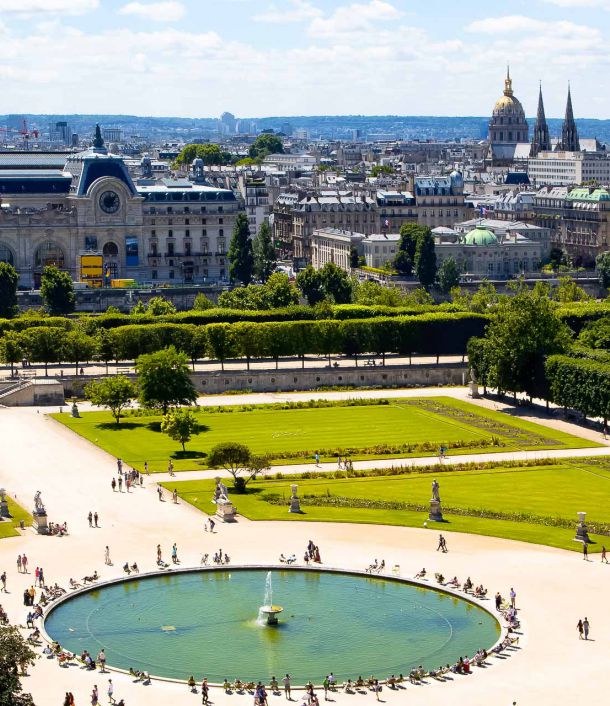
<point x="109" y="202"/>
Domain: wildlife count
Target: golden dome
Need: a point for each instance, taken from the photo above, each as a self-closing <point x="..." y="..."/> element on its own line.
<point x="508" y="103"/>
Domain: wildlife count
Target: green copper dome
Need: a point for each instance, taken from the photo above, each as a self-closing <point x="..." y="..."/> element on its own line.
<point x="480" y="236"/>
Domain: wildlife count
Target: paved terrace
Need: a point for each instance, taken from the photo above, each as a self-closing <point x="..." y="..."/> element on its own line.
<point x="554" y="587"/>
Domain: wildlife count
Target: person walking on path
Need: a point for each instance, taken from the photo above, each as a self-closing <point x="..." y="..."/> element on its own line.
<point x="205" y="692"/>
<point x="113" y="484"/>
<point x="513" y="598"/>
<point x="107" y="556"/>
<point x="604" y="558"/>
<point x="41" y="577"/>
<point x="146" y="468"/>
<point x="111" y="699"/>
<point x="94" y="696"/>
<point x="3" y="582"/>
<point x="212" y="525"/>
<point x="287" y="693"/>
<point x="119" y="465"/>
<point x="19" y="563"/>
<point x="158" y="553"/>
<point x="585" y="551"/>
<point x="325" y="685"/>
<point x="160" y="493"/>
<point x="585" y="627"/>
<point x="90" y="518"/>
<point x="317" y="457"/>
<point x="174" y="554"/>
<point x="170" y="468"/>
<point x="95" y="519"/>
<point x="101" y="658"/>
<point x="120" y="484"/>
<point x="442" y="544"/>
<point x="24" y="564"/>
<point x="175" y="496"/>
<point x="580" y="629"/>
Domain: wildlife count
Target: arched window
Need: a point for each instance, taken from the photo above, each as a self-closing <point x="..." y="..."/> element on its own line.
<point x="49" y="254"/>
<point x="6" y="254"/>
<point x="110" y="249"/>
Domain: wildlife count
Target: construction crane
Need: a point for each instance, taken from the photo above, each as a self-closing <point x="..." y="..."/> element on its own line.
<point x="25" y="133"/>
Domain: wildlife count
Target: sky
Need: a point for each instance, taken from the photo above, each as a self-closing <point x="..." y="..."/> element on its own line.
<point x="198" y="58"/>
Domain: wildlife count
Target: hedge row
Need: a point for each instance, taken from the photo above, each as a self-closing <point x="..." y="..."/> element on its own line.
<point x="580" y="383"/>
<point x="577" y="316"/>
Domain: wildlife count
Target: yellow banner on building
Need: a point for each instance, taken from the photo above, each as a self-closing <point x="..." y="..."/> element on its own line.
<point x="91" y="270"/>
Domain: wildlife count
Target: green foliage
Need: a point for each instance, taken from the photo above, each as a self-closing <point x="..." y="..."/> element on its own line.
<point x="370" y="292"/>
<point x="240" y="255"/>
<point x="8" y="290"/>
<point x="264" y="253"/>
<point x="379" y="169"/>
<point x="112" y="310"/>
<point x="354" y="257"/>
<point x="580" y="383"/>
<point x="115" y="393"/>
<point x="11" y="349"/>
<point x="78" y="347"/>
<point x="277" y="292"/>
<point x="336" y="283"/>
<point x="484" y="299"/>
<point x="234" y="458"/>
<point x="425" y="258"/>
<point x="568" y="291"/>
<point x="44" y="345"/>
<point x="448" y="275"/>
<point x="163" y="379"/>
<point x="179" y="425"/>
<point x="524" y="330"/>
<point x="309" y="281"/>
<point x="266" y="144"/>
<point x="159" y="306"/>
<point x="596" y="334"/>
<point x="405" y="257"/>
<point x="202" y="303"/>
<point x="211" y="154"/>
<point x="602" y="265"/>
<point x="15" y="656"/>
<point x="57" y="291"/>
<point x="221" y="342"/>
<point x="139" y="309"/>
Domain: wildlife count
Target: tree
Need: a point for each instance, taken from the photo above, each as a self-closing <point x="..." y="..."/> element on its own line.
<point x="602" y="264"/>
<point x="78" y="347"/>
<point x="180" y="425"/>
<point x="524" y="330"/>
<point x="8" y="290"/>
<point x="425" y="258"/>
<point x="279" y="292"/>
<point x="139" y="309"/>
<point x="354" y="257"/>
<point x="448" y="275"/>
<point x="211" y="154"/>
<point x="114" y="392"/>
<point x="309" y="281"/>
<point x="11" y="349"/>
<point x="405" y="257"/>
<point x="105" y="346"/>
<point x="202" y="303"/>
<point x="266" y="144"/>
<point x="336" y="283"/>
<point x="159" y="306"/>
<point x="568" y="291"/>
<point x="57" y="291"/>
<point x="163" y="379"/>
<point x="240" y="255"/>
<point x="264" y="253"/>
<point x="44" y="344"/>
<point x="379" y="169"/>
<point x="220" y="342"/>
<point x="15" y="656"/>
<point x="237" y="459"/>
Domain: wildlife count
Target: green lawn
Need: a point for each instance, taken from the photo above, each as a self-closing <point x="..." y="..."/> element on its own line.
<point x="356" y="431"/>
<point x="7" y="528"/>
<point x="545" y="491"/>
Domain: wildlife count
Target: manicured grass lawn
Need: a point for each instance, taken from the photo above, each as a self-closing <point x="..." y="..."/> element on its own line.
<point x="272" y="431"/>
<point x="7" y="528"/>
<point x="544" y="491"/>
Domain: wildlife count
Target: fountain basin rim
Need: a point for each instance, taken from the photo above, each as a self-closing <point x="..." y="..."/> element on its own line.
<point x="261" y="567"/>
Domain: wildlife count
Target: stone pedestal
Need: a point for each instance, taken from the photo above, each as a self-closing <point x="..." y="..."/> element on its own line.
<point x="473" y="390"/>
<point x="295" y="504"/>
<point x="436" y="514"/>
<point x="582" y="531"/>
<point x="226" y="511"/>
<point x="40" y="523"/>
<point x="3" y="504"/>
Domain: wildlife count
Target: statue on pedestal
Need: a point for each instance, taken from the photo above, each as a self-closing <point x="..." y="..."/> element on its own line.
<point x="582" y="531"/>
<point x="40" y="523"/>
<point x="221" y="494"/>
<point x="436" y="514"/>
<point x="3" y="504"/>
<point x="39" y="508"/>
<point x="295" y="504"/>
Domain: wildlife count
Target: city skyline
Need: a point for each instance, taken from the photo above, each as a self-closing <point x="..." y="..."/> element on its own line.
<point x="302" y="57"/>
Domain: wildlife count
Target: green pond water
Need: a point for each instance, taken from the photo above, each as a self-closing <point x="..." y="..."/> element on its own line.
<point x="205" y="624"/>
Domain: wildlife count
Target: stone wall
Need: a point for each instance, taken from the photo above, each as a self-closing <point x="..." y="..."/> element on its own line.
<point x="216" y="382"/>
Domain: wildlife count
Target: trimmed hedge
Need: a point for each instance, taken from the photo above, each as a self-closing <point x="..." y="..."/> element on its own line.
<point x="580" y="383"/>
<point x="578" y="315"/>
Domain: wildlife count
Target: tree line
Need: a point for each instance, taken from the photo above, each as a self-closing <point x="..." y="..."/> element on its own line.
<point x="427" y="334"/>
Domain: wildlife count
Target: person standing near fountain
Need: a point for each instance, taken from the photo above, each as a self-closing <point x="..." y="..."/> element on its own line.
<point x="287" y="692"/>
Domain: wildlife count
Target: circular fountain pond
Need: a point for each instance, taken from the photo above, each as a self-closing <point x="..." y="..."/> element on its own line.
<point x="207" y="623"/>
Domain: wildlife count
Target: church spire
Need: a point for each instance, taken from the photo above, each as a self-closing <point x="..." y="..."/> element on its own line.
<point x="508" y="83"/>
<point x="541" y="141"/>
<point x="569" y="133"/>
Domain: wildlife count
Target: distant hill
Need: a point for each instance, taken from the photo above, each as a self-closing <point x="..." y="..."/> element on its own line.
<point x="326" y="126"/>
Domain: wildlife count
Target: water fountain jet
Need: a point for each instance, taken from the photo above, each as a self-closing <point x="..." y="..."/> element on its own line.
<point x="267" y="613"/>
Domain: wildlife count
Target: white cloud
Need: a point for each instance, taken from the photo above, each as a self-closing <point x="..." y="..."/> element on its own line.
<point x="354" y="19"/>
<point x="519" y="24"/>
<point x="297" y="11"/>
<point x="164" y="11"/>
<point x="604" y="4"/>
<point x="66" y="7"/>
